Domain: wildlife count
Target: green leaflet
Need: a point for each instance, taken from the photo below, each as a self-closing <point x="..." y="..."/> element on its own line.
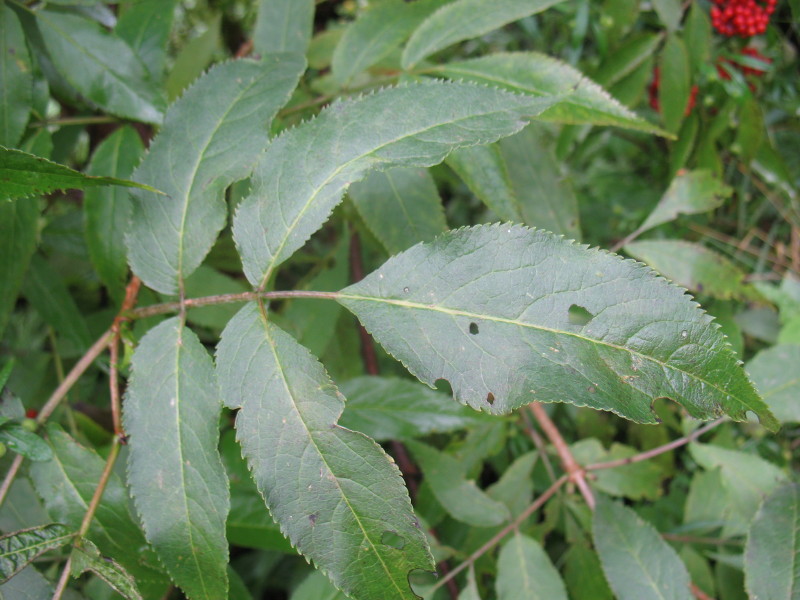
<point x="460" y="497"/>
<point x="637" y="481"/>
<point x="391" y="408"/>
<point x="283" y="26"/>
<point x="694" y="267"/>
<point x="638" y="563"/>
<point x="67" y="483"/>
<point x="772" y="554"/>
<point x="669" y="11"/>
<point x="21" y="547"/>
<point x="376" y="33"/>
<point x="107" y="211"/>
<point x="470" y="591"/>
<point x="688" y="194"/>
<point x="490" y="308"/>
<point x="210" y="138"/>
<point x="583" y="574"/>
<point x="145" y="26"/>
<point x="86" y="557"/>
<point x="333" y="491"/>
<point x="25" y="442"/>
<point x="521" y="181"/>
<point x="16" y="79"/>
<point x="626" y="59"/>
<point x="23" y="175"/>
<point x="524" y="572"/>
<point x="401" y="126"/>
<point x="193" y="59"/>
<point x="101" y="66"/>
<point x="774" y="371"/>
<point x="18" y="229"/>
<point x="400" y="206"/>
<point x="540" y="75"/>
<point x="673" y="92"/>
<point x="465" y="19"/>
<point x="175" y="472"/>
<point x="28" y="584"/>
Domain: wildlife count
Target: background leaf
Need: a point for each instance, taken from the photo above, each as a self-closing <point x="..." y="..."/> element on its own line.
<point x="24" y="175"/>
<point x="774" y="372"/>
<point x="524" y="572"/>
<point x="460" y="497"/>
<point x="210" y="138"/>
<point x="102" y="67"/>
<point x="541" y="75"/>
<point x="465" y="19"/>
<point x="175" y="473"/>
<point x="145" y="26"/>
<point x="400" y="206"/>
<point x="334" y="492"/>
<point x="86" y="557"/>
<point x="391" y="408"/>
<point x="18" y="230"/>
<point x="400" y="126"/>
<point x="283" y="26"/>
<point x="25" y="442"/>
<point x="18" y="549"/>
<point x="673" y="92"/>
<point x="772" y="555"/>
<point x="67" y="484"/>
<point x="638" y="564"/>
<point x="16" y="79"/>
<point x="107" y="211"/>
<point x="503" y="351"/>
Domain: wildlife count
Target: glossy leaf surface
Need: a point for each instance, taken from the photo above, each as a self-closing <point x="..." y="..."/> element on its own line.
<point x="400" y="206"/>
<point x="333" y="491"/>
<point x="23" y="175"/>
<point x="67" y="484"/>
<point x="524" y="572"/>
<point x="175" y="472"/>
<point x="413" y="125"/>
<point x="101" y="66"/>
<point x="21" y="547"/>
<point x="540" y="75"/>
<point x="391" y="408"/>
<point x="490" y="309"/>
<point x="774" y="371"/>
<point x="638" y="563"/>
<point x="460" y="497"/>
<point x="465" y="19"/>
<point x="210" y="138"/>
<point x="695" y="267"/>
<point x="107" y="211"/>
<point x="16" y="80"/>
<point x="772" y="554"/>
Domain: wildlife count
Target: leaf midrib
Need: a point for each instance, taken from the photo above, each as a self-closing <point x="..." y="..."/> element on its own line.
<point x="273" y="349"/>
<point x="33" y="547"/>
<point x="463" y="313"/>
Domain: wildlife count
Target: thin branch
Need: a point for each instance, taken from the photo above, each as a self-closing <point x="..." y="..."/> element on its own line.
<point x="691" y="539"/>
<point x="514" y="525"/>
<point x="168" y="307"/>
<point x="63" y="580"/>
<point x="574" y="471"/>
<point x="131" y="293"/>
<point x="656" y="451"/>
<point x="9" y="478"/>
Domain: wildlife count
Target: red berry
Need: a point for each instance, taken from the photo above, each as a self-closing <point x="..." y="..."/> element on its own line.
<point x="31" y="413"/>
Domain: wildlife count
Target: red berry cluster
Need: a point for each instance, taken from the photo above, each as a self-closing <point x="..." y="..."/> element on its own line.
<point x="656" y="83"/>
<point x="744" y="18"/>
<point x="723" y="69"/>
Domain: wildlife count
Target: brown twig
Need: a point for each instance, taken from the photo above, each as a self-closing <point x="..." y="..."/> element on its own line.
<point x="537" y="504"/>
<point x="244" y="49"/>
<point x="575" y="472"/>
<point x="698" y="593"/>
<point x="655" y="451"/>
<point x="9" y="478"/>
<point x="131" y="294"/>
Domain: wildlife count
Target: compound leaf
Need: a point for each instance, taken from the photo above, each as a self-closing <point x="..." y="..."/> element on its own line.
<point x="465" y="19"/>
<point x="334" y="492"/>
<point x="638" y="563"/>
<point x="23" y="175"/>
<point x="772" y="554"/>
<point x="21" y="547"/>
<point x="524" y="572"/>
<point x="101" y="66"/>
<point x="541" y="75"/>
<point x="413" y="125"/>
<point x="175" y="471"/>
<point x="210" y="138"/>
<point x="16" y="79"/>
<point x="400" y="206"/>
<point x="284" y="26"/>
<point x="493" y="310"/>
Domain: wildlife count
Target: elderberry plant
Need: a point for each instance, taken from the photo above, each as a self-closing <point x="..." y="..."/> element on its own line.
<point x="395" y="169"/>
